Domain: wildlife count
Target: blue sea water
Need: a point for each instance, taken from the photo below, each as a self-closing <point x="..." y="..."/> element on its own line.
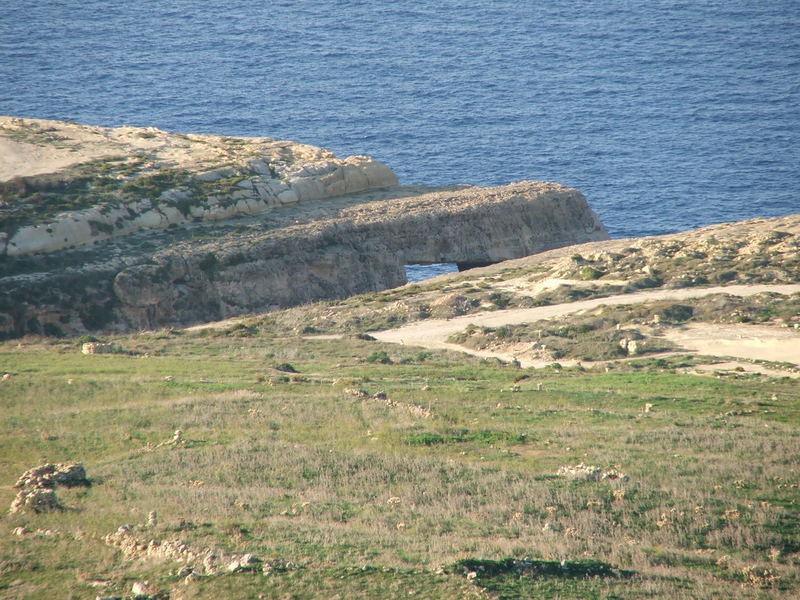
<point x="667" y="114"/>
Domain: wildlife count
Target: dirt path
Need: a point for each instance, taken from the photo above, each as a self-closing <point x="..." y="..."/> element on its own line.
<point x="742" y="341"/>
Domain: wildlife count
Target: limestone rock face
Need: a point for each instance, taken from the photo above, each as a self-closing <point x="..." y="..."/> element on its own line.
<point x="303" y="253"/>
<point x="172" y="229"/>
<point x="127" y="179"/>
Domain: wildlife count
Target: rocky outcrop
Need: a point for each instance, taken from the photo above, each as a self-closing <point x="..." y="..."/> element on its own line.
<point x="200" y="228"/>
<point x="330" y="250"/>
<point x="37" y="486"/>
<point x="362" y="248"/>
<point x="127" y="179"/>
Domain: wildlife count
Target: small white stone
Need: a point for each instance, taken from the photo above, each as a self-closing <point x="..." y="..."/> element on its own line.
<point x="141" y="589"/>
<point x="233" y="566"/>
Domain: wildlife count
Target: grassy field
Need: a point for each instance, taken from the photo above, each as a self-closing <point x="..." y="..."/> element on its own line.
<point x="354" y="469"/>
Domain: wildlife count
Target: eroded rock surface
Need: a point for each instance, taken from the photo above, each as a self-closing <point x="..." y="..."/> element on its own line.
<point x="202" y="267"/>
<point x="65" y="185"/>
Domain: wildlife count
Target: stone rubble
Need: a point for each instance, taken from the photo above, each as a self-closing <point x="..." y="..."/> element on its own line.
<point x="414" y="409"/>
<point x="97" y="348"/>
<point x="143" y="589"/>
<point x="590" y="473"/>
<point x="197" y="562"/>
<point x="23" y="531"/>
<point x="37" y="486"/>
<point x="37" y="500"/>
<point x="50" y="475"/>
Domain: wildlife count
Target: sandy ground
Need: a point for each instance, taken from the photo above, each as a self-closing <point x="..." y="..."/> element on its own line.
<point x="36" y="146"/>
<point x="17" y="158"/>
<point x="741" y="341"/>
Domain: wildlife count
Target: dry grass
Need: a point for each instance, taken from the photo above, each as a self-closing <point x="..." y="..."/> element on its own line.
<point x="300" y="469"/>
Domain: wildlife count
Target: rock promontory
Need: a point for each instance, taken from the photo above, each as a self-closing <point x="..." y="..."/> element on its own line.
<point x="136" y="228"/>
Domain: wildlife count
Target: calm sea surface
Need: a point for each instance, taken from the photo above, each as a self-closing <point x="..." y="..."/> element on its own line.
<point x="667" y="115"/>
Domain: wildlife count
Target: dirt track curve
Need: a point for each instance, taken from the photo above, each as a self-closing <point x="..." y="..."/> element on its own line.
<point x="741" y="341"/>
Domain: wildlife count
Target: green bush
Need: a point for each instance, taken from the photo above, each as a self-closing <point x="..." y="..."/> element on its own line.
<point x="379" y="356"/>
<point x="590" y="273"/>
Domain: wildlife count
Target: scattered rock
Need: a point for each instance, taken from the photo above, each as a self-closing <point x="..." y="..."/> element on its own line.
<point x="37" y="500"/>
<point x="278" y="565"/>
<point x="247" y="562"/>
<point x="37" y="486"/>
<point x="415" y="409"/>
<point x="40" y="532"/>
<point x="139" y="589"/>
<point x="98" y="348"/>
<point x="590" y="473"/>
<point x="51" y="474"/>
<point x="184" y="571"/>
<point x="210" y="562"/>
<point x="196" y="560"/>
<point x="6" y="376"/>
<point x="551" y="527"/>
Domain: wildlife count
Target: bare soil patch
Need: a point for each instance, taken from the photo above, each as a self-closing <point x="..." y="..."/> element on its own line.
<point x="752" y="342"/>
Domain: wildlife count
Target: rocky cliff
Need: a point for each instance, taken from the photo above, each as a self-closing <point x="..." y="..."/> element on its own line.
<point x="64" y="185"/>
<point x="222" y="245"/>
